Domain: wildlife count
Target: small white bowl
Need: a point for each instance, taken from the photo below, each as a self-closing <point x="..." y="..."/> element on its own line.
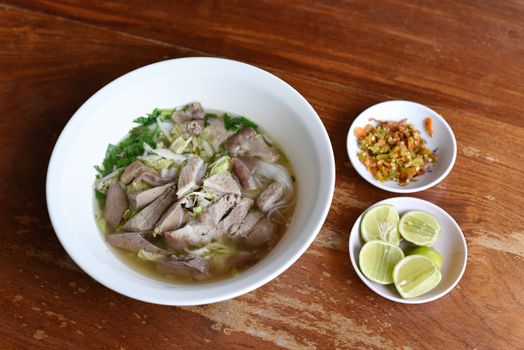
<point x="450" y="244"/>
<point x="219" y="84"/>
<point x="443" y="141"/>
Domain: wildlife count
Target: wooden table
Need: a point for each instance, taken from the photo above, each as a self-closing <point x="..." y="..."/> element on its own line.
<point x="462" y="58"/>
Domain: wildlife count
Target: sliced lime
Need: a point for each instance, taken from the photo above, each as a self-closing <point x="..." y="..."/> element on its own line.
<point x="415" y="275"/>
<point x="428" y="252"/>
<point x="419" y="227"/>
<point x="380" y="223"/>
<point x="377" y="260"/>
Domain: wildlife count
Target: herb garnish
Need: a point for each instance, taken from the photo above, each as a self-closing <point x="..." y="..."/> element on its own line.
<point x="236" y="123"/>
<point x="126" y="152"/>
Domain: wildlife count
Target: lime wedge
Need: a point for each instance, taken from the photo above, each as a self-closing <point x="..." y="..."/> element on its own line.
<point x="377" y="260"/>
<point x="428" y="252"/>
<point x="415" y="275"/>
<point x="380" y="223"/>
<point x="419" y="227"/>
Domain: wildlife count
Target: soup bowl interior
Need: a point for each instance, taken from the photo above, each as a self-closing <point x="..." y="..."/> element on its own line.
<point x="218" y="84"/>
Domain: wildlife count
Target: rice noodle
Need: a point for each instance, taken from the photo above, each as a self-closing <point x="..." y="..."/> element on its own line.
<point x="275" y="172"/>
<point x="280" y="174"/>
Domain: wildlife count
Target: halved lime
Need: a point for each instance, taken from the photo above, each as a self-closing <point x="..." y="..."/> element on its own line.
<point x="415" y="275"/>
<point x="380" y="223"/>
<point x="428" y="252"/>
<point x="377" y="260"/>
<point x="419" y="227"/>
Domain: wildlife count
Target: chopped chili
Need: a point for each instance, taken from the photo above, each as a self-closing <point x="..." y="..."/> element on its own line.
<point x="394" y="151"/>
<point x="428" y="124"/>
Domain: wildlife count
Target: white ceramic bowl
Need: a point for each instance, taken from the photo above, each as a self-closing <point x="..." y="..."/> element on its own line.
<point x="219" y="84"/>
<point x="451" y="245"/>
<point x="443" y="140"/>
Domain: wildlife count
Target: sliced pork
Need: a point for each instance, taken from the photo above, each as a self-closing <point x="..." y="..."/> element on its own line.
<point x="236" y="216"/>
<point x="146" y="218"/>
<point x="134" y="241"/>
<point x="196" y="111"/>
<point x="192" y="118"/>
<point x="116" y="204"/>
<point x="222" y="183"/>
<point x="247" y="142"/>
<point x="139" y="172"/>
<point x="174" y="217"/>
<point x="152" y="178"/>
<point x="240" y="230"/>
<point x="187" y="266"/>
<point x="259" y="149"/>
<point x="244" y="174"/>
<point x="270" y="196"/>
<point x="216" y="211"/>
<point x="264" y="232"/>
<point x="190" y="175"/>
<point x="131" y="171"/>
<point x="206" y="227"/>
<point x="240" y="141"/>
<point x="142" y="198"/>
<point x="193" y="234"/>
<point x="180" y="117"/>
<point x="195" y="127"/>
<point x="217" y="133"/>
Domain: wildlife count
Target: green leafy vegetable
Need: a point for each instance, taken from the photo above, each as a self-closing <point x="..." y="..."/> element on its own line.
<point x="166" y="112"/>
<point x="219" y="166"/>
<point x="162" y="163"/>
<point x="128" y="150"/>
<point x="179" y="145"/>
<point x="210" y="116"/>
<point x="198" y="210"/>
<point x="101" y="198"/>
<point x="207" y="150"/>
<point x="137" y="186"/>
<point x="237" y="123"/>
<point x="145" y="255"/>
<point x="150" y="119"/>
<point x="100" y="171"/>
<point x="212" y="250"/>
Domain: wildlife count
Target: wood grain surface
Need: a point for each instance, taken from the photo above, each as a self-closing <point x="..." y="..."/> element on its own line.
<point x="464" y="59"/>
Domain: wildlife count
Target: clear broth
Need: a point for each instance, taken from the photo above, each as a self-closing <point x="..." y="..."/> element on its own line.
<point x="148" y="268"/>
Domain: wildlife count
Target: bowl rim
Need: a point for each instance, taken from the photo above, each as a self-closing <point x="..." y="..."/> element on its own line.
<point x="371" y="285"/>
<point x="328" y="172"/>
<point x="384" y="185"/>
